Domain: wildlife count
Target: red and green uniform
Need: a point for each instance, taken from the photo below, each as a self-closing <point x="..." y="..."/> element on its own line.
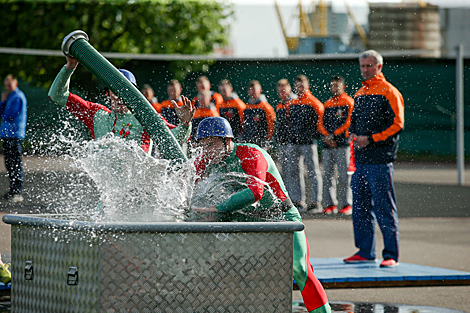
<point x="100" y="120"/>
<point x="252" y="193"/>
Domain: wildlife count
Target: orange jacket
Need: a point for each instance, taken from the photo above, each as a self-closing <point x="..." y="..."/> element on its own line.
<point x="336" y="117"/>
<point x="156" y="106"/>
<point x="258" y="122"/>
<point x="167" y="110"/>
<point x="202" y="113"/>
<point x="232" y="110"/>
<point x="199" y="115"/>
<point x="282" y="130"/>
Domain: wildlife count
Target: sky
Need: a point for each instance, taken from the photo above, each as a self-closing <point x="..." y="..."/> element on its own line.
<point x="256" y="31"/>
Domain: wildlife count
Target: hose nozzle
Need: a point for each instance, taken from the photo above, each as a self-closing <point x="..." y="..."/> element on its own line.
<point x="70" y="39"/>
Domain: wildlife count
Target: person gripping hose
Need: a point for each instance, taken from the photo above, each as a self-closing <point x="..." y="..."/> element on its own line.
<point x="118" y="120"/>
<point x="260" y="189"/>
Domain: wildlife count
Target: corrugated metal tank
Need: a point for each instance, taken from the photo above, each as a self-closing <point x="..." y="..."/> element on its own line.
<point x="405" y="26"/>
<point x="63" y="264"/>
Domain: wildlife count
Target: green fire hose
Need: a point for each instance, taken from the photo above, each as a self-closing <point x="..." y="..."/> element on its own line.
<point x="76" y="44"/>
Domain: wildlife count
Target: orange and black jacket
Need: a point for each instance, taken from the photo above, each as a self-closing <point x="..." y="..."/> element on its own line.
<point x="282" y="130"/>
<point x="200" y="114"/>
<point x="216" y="99"/>
<point x="379" y="113"/>
<point x="305" y="112"/>
<point x="156" y="106"/>
<point x="258" y="122"/>
<point x="168" y="111"/>
<point x="336" y="118"/>
<point x="232" y="110"/>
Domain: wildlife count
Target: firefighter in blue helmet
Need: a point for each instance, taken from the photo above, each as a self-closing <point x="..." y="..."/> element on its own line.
<point x="260" y="188"/>
<point x="214" y="126"/>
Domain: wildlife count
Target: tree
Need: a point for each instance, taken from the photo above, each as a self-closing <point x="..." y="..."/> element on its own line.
<point x="161" y="27"/>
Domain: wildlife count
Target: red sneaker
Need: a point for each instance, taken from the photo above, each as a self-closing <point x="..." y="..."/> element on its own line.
<point x="388" y="263"/>
<point x="330" y="209"/>
<point x="347" y="210"/>
<point x="358" y="259"/>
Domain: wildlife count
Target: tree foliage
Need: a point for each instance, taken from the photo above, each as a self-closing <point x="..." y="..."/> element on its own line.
<point x="158" y="27"/>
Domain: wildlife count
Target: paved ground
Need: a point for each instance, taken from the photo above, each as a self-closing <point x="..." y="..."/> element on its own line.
<point x="430" y="241"/>
<point x="434" y="224"/>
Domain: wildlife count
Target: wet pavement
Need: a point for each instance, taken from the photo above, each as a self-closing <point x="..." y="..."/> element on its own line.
<point x="363" y="307"/>
<point x="434" y="230"/>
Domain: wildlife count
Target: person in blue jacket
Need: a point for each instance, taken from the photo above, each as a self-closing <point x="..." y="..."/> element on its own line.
<point x="12" y="132"/>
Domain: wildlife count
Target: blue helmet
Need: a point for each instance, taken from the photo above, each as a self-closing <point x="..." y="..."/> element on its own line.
<point x="129" y="76"/>
<point x="214" y="127"/>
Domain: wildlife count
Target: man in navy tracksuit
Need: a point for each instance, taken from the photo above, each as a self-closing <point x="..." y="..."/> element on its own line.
<point x="377" y="119"/>
<point x="282" y="125"/>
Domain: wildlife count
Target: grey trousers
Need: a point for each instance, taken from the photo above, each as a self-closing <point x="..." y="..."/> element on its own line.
<point x="336" y="184"/>
<point x="293" y="175"/>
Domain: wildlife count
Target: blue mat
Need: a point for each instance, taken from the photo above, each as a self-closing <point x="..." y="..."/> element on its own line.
<point x="334" y="273"/>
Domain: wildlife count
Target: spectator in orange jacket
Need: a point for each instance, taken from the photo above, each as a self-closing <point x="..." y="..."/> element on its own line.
<point x="231" y="108"/>
<point x="304" y="113"/>
<point x="166" y="107"/>
<point x="204" y="108"/>
<point x="149" y="94"/>
<point x="336" y="150"/>
<point x="203" y="84"/>
<point x="258" y="118"/>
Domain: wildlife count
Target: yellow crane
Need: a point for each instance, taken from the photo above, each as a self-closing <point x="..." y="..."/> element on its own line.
<point x="291" y="42"/>
<point x="305" y="27"/>
<point x="360" y="30"/>
<point x="318" y="27"/>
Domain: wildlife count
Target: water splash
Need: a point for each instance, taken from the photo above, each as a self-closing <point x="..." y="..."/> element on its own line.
<point x="219" y="187"/>
<point x="118" y="179"/>
<point x="134" y="186"/>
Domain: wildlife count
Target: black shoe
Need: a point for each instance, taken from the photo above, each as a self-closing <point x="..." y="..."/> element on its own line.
<point x="315" y="208"/>
<point x="13" y="197"/>
<point x="301" y="206"/>
<point x="7" y="196"/>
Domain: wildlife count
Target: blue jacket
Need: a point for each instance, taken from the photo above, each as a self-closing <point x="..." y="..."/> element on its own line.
<point x="13" y="115"/>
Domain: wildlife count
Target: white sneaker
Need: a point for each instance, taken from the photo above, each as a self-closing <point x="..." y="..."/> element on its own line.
<point x="17" y="198"/>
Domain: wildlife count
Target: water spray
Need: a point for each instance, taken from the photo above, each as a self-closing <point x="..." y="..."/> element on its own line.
<point x="76" y="45"/>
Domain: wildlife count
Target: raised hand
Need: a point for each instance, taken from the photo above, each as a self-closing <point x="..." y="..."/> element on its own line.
<point x="185" y="112"/>
<point x="72" y="63"/>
